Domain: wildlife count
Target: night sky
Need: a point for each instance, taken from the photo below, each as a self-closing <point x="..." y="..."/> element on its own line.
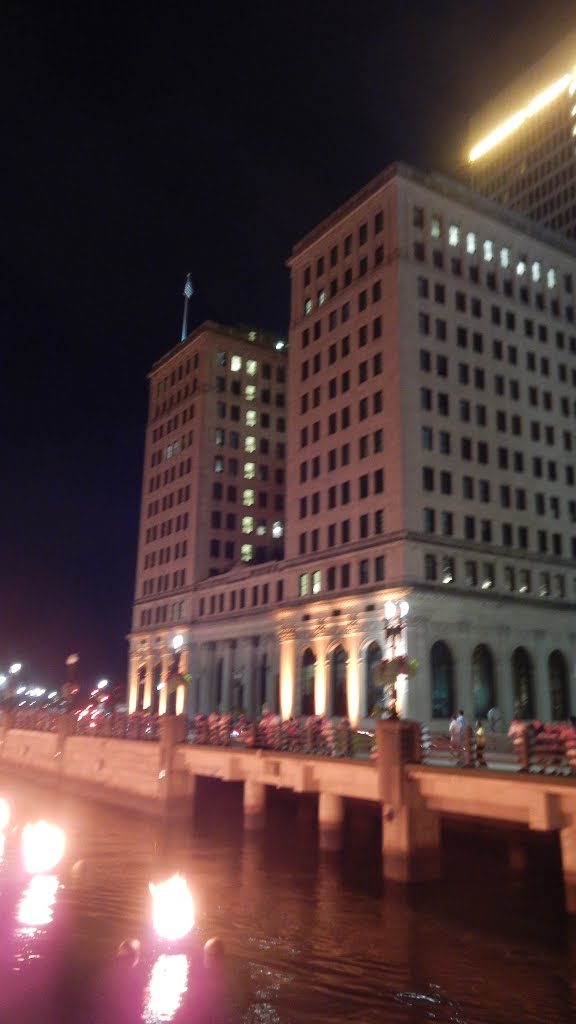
<point x="142" y="141"/>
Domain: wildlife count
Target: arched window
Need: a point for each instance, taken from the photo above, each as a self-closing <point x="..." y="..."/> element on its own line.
<point x="372" y="690"/>
<point x="522" y="684"/>
<point x="558" y="683"/>
<point x="338" y="682"/>
<point x="483" y="686"/>
<point x="307" y="672"/>
<point x="442" y="676"/>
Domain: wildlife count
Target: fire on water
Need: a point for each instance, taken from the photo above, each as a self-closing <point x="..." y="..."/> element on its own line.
<point x="172" y="908"/>
<point x="43" y="847"/>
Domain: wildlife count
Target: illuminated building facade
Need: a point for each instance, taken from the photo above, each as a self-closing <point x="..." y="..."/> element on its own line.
<point x="431" y="508"/>
<point x="522" y="145"/>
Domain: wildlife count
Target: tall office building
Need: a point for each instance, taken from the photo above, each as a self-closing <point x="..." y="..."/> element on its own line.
<point x="431" y="507"/>
<point x="522" y="145"/>
<point x="213" y="482"/>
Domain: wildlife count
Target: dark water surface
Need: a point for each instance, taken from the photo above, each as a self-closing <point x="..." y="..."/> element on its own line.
<point x="321" y="937"/>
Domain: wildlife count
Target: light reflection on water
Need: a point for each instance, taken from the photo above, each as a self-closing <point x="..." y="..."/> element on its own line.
<point x="317" y="938"/>
<point x="36" y="908"/>
<point x="167" y="985"/>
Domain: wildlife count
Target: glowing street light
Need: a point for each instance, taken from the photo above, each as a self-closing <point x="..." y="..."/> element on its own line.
<point x="102" y="684"/>
<point x="3" y="680"/>
<point x="15" y="668"/>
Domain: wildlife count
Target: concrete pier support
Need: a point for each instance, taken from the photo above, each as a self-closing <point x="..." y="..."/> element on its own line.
<point x="517" y="856"/>
<point x="410" y="831"/>
<point x="254" y="805"/>
<point x="177" y="787"/>
<point x="330" y="821"/>
<point x="568" y="848"/>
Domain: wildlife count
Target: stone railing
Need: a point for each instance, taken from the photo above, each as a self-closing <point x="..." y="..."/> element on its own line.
<point x="312" y="735"/>
<point x="544" y="747"/>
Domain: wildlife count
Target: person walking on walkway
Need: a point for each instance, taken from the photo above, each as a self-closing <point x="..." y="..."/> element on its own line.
<point x="454" y="733"/>
<point x="480" y="745"/>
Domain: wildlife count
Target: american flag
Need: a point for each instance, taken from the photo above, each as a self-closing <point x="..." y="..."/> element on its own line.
<point x="188" y="289"/>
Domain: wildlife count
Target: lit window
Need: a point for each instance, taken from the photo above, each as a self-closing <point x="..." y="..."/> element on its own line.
<point x="219" y="437"/>
<point x="218" y="464"/>
<point x="487" y="576"/>
<point x="277" y="530"/>
<point x="551" y="278"/>
<point x="251" y="367"/>
<point x="250" y="392"/>
<point x="535" y="272"/>
<point x="321" y="297"/>
<point x="488" y="251"/>
<point x="250" y="417"/>
<point x="247" y="524"/>
<point x="248" y="497"/>
<point x="249" y="443"/>
<point x="236" y="363"/>
<point x="303" y="584"/>
<point x="307" y="306"/>
<point x="246" y="553"/>
<point x="316" y="581"/>
<point x="505" y="258"/>
<point x="447" y="570"/>
<point x="261" y="529"/>
<point x="249" y="470"/>
<point x="471" y="243"/>
<point x="435" y="227"/>
<point x="521" y="268"/>
<point x="453" y="234"/>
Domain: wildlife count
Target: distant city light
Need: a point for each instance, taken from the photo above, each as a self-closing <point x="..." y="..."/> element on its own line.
<point x="21" y="689"/>
<point x="389" y="609"/>
<point x="279" y="345"/>
<point x="15" y="668"/>
<point x="404" y="608"/>
<point x="3" y="680"/>
<point x="102" y="684"/>
<point x="53" y="694"/>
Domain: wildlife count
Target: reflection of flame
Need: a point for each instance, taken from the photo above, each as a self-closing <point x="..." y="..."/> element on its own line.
<point x="42" y="847"/>
<point x="4" y="813"/>
<point x="172" y="908"/>
<point x="168" y="983"/>
<point x="35" y="907"/>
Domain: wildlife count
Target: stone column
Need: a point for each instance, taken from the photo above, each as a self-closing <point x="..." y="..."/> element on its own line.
<point x="321" y="674"/>
<point x="539" y="654"/>
<point x="227" y="667"/>
<point x="568" y="848"/>
<point x="206" y="677"/>
<point x="462" y="653"/>
<point x="502" y="653"/>
<point x="410" y="832"/>
<point x="251" y="680"/>
<point x="287" y="671"/>
<point x="353" y="678"/>
<point x="254" y="805"/>
<point x="163" y="698"/>
<point x="133" y="682"/>
<point x="330" y="821"/>
<point x="176" y="786"/>
<point x="149" y="678"/>
<point x="418" y="705"/>
<point x="271" y="649"/>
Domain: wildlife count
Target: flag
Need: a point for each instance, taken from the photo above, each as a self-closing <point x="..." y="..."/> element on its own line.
<point x="188" y="289"/>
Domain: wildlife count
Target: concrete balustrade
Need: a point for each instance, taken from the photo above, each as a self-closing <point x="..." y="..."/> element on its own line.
<point x="161" y="778"/>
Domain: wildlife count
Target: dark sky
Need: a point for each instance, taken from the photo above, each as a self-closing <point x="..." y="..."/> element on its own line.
<point x="141" y="141"/>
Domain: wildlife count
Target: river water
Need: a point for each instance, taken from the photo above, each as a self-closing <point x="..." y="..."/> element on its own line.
<point x="320" y="937"/>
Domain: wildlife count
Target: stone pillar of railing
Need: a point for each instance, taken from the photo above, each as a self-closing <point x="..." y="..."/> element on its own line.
<point x="6" y="716"/>
<point x="254" y="805"/>
<point x="330" y="821"/>
<point x="410" y="831"/>
<point x="176" y="785"/>
<point x="66" y="726"/>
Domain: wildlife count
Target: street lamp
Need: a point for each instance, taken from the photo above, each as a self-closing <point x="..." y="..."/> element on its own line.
<point x="15" y="668"/>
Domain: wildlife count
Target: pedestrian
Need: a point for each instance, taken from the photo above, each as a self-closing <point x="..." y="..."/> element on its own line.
<point x="462" y="736"/>
<point x="480" y="745"/>
<point x="494" y="719"/>
<point x="454" y="733"/>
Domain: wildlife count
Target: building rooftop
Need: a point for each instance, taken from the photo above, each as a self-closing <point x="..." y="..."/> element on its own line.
<point x="252" y="335"/>
<point x="446" y="187"/>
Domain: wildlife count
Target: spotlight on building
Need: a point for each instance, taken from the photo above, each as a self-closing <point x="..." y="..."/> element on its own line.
<point x="177" y="642"/>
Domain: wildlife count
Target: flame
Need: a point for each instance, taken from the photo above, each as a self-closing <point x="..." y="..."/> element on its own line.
<point x="4" y="814"/>
<point x="172" y="908"/>
<point x="168" y="983"/>
<point x="42" y="847"/>
<point x="36" y="906"/>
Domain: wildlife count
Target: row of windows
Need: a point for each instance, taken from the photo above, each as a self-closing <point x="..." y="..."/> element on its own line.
<point x="169" y="475"/>
<point x="259" y="594"/>
<point x="368" y="406"/>
<point x="464" y="406"/>
<point x="249" y="392"/>
<point x="249" y="470"/>
<point x="457" y="237"/>
<point x="341" y="533"/>
<point x="249" y="496"/>
<point x="444" y="569"/>
<point x="505" y="423"/>
<point x="367" y="484"/>
<point x="324" y="262"/>
<point x="164" y="555"/>
<point x="372" y="294"/>
<point x="484" y="530"/>
<point x="485" y="492"/>
<point x="168" y="501"/>
<point x="237" y="362"/>
<point x="181" y="371"/>
<point x="367" y="444"/>
<point x="516" y="461"/>
<point x="160" y="584"/>
<point x="477" y="376"/>
<point x="162" y="613"/>
<point x="340" y="577"/>
<point x="251" y="418"/>
<point x="164" y="529"/>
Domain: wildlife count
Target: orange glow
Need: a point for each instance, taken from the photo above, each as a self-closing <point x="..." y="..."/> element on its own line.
<point x="4" y="814"/>
<point x="43" y="847"/>
<point x="320" y="688"/>
<point x="168" y="983"/>
<point x="353" y="685"/>
<point x="172" y="908"/>
<point x="287" y="650"/>
<point x="35" y="909"/>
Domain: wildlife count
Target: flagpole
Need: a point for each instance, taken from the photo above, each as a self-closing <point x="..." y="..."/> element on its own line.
<point x="188" y="292"/>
